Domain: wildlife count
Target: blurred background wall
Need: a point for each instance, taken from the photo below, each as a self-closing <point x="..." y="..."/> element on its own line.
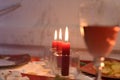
<point x="33" y="22"/>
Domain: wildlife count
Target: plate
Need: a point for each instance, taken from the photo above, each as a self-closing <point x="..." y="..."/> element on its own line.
<point x="13" y="60"/>
<point x="37" y="77"/>
<point x="90" y="69"/>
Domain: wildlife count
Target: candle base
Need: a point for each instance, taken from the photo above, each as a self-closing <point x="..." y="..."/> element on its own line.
<point x="65" y="65"/>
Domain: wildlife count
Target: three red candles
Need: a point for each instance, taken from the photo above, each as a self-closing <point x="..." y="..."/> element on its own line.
<point x="63" y="50"/>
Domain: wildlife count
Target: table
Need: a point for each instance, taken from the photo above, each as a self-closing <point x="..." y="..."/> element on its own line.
<point x="34" y="61"/>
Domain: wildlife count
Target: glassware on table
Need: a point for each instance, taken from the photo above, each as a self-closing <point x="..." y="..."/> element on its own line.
<point x="45" y="57"/>
<point x="100" y="40"/>
<point x="55" y="61"/>
<point x="74" y="69"/>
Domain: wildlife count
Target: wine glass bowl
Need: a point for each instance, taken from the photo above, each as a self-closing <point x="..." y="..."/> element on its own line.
<point x="100" y="41"/>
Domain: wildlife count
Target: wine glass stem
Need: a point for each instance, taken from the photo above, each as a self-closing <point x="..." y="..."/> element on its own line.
<point x="98" y="75"/>
<point x="98" y="68"/>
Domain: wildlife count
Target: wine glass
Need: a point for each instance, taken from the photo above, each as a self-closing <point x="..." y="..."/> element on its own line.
<point x="100" y="40"/>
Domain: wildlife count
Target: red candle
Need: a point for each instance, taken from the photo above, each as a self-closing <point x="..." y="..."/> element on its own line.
<point x="66" y="44"/>
<point x="65" y="55"/>
<point x="59" y="46"/>
<point x="65" y="65"/>
<point x="59" y="49"/>
<point x="55" y="42"/>
<point x="66" y="48"/>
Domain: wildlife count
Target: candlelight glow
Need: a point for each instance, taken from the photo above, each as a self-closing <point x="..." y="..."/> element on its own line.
<point x="55" y="35"/>
<point x="82" y="31"/>
<point x="60" y="34"/>
<point x="101" y="65"/>
<point x="66" y="34"/>
<point x="117" y="29"/>
<point x="110" y="41"/>
<point x="83" y="23"/>
<point x="102" y="58"/>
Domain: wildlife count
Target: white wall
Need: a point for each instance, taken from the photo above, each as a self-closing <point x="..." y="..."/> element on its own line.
<point x="34" y="22"/>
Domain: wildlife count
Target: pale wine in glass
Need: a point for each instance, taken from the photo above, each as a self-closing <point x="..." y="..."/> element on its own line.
<point x="100" y="41"/>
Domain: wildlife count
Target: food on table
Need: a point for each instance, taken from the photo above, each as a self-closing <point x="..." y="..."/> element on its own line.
<point x="112" y="68"/>
<point x="12" y="75"/>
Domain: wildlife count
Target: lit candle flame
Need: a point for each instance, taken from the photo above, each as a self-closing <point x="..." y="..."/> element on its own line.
<point x="60" y="34"/>
<point x="55" y="35"/>
<point x="66" y="34"/>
